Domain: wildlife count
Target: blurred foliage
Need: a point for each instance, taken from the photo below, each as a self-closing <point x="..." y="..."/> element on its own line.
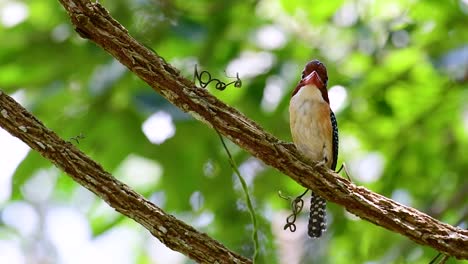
<point x="402" y="67"/>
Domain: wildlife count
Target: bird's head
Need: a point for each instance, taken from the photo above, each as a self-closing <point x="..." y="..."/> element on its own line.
<point x="314" y="76"/>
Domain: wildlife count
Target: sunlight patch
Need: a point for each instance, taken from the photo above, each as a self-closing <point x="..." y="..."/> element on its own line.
<point x="12" y="153"/>
<point x="337" y="95"/>
<point x="159" y="127"/>
<point x="368" y="168"/>
<point x="270" y="37"/>
<point x="251" y="64"/>
<point x="139" y="172"/>
<point x="13" y="13"/>
<point x="274" y="91"/>
<point x="22" y="217"/>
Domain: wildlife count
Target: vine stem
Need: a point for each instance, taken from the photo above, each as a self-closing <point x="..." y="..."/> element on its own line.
<point x="247" y="199"/>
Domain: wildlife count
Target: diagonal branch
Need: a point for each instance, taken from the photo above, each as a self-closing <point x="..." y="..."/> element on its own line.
<point x="174" y="233"/>
<point x="92" y="21"/>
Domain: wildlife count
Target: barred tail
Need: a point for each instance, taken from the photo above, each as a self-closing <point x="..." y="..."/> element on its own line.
<point x="317" y="218"/>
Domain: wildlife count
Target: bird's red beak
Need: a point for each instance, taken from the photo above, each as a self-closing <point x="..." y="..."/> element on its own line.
<point x="313" y="79"/>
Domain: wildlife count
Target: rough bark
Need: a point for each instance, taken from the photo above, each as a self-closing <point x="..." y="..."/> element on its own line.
<point x="92" y="21"/>
<point x="174" y="233"/>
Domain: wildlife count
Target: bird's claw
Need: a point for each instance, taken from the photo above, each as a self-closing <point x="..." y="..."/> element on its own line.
<point x="343" y="167"/>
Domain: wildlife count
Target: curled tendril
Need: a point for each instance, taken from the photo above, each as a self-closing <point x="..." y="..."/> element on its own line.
<point x="77" y="138"/>
<point x="296" y="206"/>
<point x="204" y="78"/>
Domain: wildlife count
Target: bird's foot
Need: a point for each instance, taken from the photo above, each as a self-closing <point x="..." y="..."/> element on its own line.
<point x="343" y="167"/>
<point x="323" y="162"/>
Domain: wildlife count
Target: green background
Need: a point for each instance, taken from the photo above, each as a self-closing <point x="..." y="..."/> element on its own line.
<point x="402" y="67"/>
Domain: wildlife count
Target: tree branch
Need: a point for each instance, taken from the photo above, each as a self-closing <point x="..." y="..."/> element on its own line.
<point x="92" y="21"/>
<point x="174" y="233"/>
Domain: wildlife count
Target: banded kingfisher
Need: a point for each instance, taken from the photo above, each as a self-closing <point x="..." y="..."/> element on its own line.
<point x="314" y="131"/>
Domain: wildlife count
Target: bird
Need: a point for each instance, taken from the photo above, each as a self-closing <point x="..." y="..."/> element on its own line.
<point x="314" y="131"/>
